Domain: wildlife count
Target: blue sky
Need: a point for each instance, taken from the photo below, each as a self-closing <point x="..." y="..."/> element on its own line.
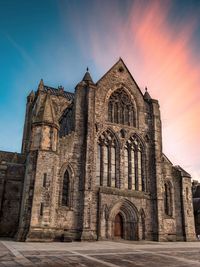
<point x="57" y="39"/>
<point x="34" y="44"/>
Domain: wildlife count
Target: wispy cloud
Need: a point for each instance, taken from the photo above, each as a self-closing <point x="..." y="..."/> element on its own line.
<point x="159" y="54"/>
<point x="22" y="52"/>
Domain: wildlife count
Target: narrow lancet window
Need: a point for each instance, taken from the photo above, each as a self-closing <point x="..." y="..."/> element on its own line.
<point x="113" y="166"/>
<point x="105" y="166"/>
<point x="168" y="198"/>
<point x="139" y="169"/>
<point x="65" y="189"/>
<point x="98" y="164"/>
<point x="110" y="110"/>
<point x="126" y="170"/>
<point x="133" y="168"/>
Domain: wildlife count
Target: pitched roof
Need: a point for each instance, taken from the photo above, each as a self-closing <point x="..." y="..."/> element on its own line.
<point x="183" y="172"/>
<point x="59" y="92"/>
<point x="166" y="159"/>
<point x="46" y="112"/>
<point x="12" y="157"/>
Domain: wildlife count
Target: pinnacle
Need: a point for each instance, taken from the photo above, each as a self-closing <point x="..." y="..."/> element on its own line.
<point x="147" y="95"/>
<point x="87" y="77"/>
<point x="41" y="85"/>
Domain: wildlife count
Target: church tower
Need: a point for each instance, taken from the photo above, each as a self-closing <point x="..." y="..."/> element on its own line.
<point x="40" y="143"/>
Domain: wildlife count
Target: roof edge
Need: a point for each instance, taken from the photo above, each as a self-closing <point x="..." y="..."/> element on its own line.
<point x="121" y="60"/>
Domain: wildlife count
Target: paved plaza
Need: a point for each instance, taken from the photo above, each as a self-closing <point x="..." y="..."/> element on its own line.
<point x="102" y="253"/>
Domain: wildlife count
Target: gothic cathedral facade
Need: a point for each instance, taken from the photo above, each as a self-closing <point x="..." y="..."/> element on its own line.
<point x="92" y="167"/>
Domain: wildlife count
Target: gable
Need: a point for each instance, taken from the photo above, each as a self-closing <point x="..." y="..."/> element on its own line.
<point x="118" y="77"/>
<point x="119" y="74"/>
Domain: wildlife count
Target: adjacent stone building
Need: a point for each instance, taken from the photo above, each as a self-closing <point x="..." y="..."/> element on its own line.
<point x="196" y="205"/>
<point x="92" y="167"/>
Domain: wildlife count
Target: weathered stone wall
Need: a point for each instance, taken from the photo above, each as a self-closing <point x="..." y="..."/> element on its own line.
<point x="11" y="184"/>
<point x="179" y="226"/>
<point x="178" y="205"/>
<point x="188" y="208"/>
<point x="146" y="118"/>
<point x="170" y="222"/>
<point x="110" y="202"/>
<point x="196" y="205"/>
<point x="91" y="209"/>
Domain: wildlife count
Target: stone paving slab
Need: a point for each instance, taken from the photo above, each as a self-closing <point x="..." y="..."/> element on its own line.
<point x="6" y="256"/>
<point x="133" y="260"/>
<point x="64" y="261"/>
<point x="98" y="254"/>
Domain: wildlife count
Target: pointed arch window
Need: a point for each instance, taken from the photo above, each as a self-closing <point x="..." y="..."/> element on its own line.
<point x="121" y="109"/>
<point x="66" y="189"/>
<point x="168" y="198"/>
<point x="66" y="122"/>
<point x="106" y="163"/>
<point x="134" y="165"/>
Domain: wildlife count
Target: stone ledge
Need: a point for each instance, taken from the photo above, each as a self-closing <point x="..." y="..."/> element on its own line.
<point x="123" y="192"/>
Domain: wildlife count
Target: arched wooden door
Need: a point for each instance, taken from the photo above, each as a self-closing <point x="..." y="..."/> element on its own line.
<point x="118" y="226"/>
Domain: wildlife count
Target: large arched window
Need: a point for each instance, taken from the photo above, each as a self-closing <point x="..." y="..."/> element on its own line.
<point x="106" y="164"/>
<point x="168" y="198"/>
<point x="66" y="189"/>
<point x="121" y="109"/>
<point x="66" y="122"/>
<point x="134" y="165"/>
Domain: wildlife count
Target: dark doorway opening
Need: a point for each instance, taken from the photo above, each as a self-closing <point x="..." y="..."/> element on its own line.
<point x="118" y="226"/>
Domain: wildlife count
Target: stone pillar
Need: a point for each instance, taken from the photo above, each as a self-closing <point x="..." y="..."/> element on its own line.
<point x="157" y="195"/>
<point x="27" y="196"/>
<point x="89" y="228"/>
<point x="187" y="209"/>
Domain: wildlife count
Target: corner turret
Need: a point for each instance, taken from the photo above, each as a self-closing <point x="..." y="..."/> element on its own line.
<point x="44" y="125"/>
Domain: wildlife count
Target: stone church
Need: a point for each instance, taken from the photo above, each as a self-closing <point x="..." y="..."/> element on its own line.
<point x="92" y="168"/>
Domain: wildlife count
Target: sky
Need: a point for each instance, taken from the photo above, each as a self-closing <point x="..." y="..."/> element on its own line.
<point x="58" y="39"/>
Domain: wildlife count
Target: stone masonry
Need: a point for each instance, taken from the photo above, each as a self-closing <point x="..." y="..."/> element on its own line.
<point x="92" y="168"/>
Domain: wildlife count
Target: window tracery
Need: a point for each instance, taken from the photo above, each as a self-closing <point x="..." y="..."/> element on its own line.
<point x="121" y="109"/>
<point x="106" y="163"/>
<point x="134" y="164"/>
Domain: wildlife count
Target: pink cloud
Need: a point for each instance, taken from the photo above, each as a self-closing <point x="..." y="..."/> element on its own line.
<point x="159" y="54"/>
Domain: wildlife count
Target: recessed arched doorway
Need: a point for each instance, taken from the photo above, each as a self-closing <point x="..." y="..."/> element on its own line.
<point x="122" y="221"/>
<point x="118" y="226"/>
